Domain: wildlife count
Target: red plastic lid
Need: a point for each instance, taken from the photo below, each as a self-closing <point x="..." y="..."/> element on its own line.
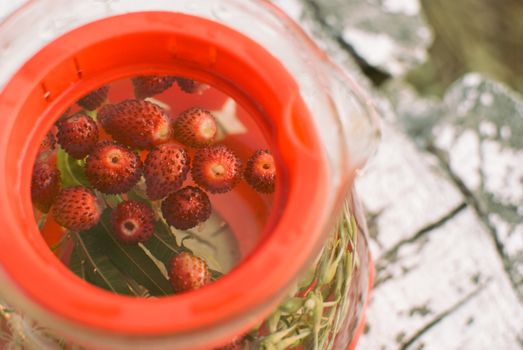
<point x="160" y="43"/>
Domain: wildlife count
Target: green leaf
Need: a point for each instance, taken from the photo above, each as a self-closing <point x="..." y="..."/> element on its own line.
<point x="136" y="194"/>
<point x="215" y="274"/>
<point x="131" y="258"/>
<point x="42" y="221"/>
<point x="162" y="245"/>
<point x="112" y="200"/>
<point x="77" y="264"/>
<point x="90" y="263"/>
<point x="92" y="114"/>
<point x="317" y="318"/>
<point x="71" y="171"/>
<point x="292" y="304"/>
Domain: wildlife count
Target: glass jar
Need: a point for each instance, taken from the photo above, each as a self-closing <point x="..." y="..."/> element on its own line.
<point x="304" y="275"/>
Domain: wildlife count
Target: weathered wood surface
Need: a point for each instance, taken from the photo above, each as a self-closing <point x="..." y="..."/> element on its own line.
<point x="446" y="224"/>
<point x="449" y="272"/>
<point x="440" y="282"/>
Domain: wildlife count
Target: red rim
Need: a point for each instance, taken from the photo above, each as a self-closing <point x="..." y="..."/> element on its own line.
<point x="174" y="44"/>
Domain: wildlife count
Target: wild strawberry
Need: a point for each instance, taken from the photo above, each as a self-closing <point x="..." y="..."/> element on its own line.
<point x="148" y="86"/>
<point x="77" y="134"/>
<point x="47" y="147"/>
<point x="186" y="208"/>
<point x="165" y="169"/>
<point x="260" y="172"/>
<point x="48" y="143"/>
<point x="190" y="86"/>
<point x="112" y="168"/>
<point x="217" y="169"/>
<point x="188" y="272"/>
<point x="94" y="99"/>
<point x="132" y="222"/>
<point x="196" y="128"/>
<point x="77" y="209"/>
<point x="45" y="185"/>
<point x="136" y="124"/>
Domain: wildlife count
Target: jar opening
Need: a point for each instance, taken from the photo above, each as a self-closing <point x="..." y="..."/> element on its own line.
<point x="166" y="44"/>
<point x="196" y="158"/>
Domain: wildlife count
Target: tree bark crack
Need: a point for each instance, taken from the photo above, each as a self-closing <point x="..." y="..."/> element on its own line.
<point x="440" y="317"/>
<point x="473" y="201"/>
<point x="391" y="254"/>
<point x="375" y="75"/>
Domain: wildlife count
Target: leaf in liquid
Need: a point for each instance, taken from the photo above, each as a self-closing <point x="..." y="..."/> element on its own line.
<point x="90" y="263"/>
<point x="131" y="258"/>
<point x="71" y="171"/>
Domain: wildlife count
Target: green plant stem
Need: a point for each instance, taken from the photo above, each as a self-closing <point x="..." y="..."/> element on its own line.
<point x="314" y="315"/>
<point x="42" y="222"/>
<point x="56" y="246"/>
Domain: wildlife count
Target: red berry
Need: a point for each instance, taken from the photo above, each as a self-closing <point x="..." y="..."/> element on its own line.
<point x="190" y="86"/>
<point x="77" y="209"/>
<point x="148" y="86"/>
<point x="186" y="208"/>
<point x="260" y="172"/>
<point x="112" y="168"/>
<point x="77" y="134"/>
<point x="132" y="222"/>
<point x="48" y="143"/>
<point x="45" y="185"/>
<point x="217" y="169"/>
<point x="135" y="123"/>
<point x="47" y="147"/>
<point x="188" y="272"/>
<point x="195" y="127"/>
<point x="165" y="170"/>
<point x="94" y="99"/>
